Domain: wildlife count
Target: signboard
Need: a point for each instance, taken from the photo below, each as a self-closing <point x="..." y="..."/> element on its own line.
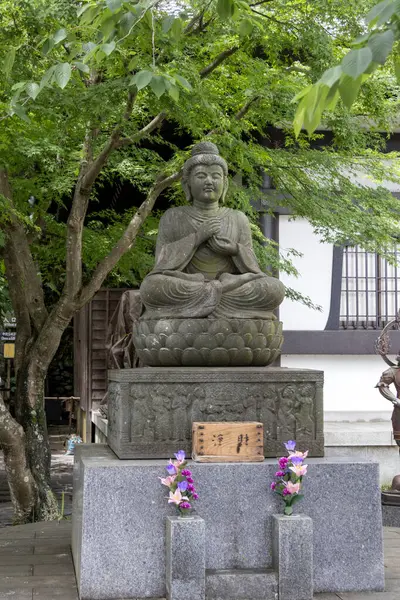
<point x="9" y="320"/>
<point x="8" y="336"/>
<point x="9" y="351"/>
<point x="228" y="442"/>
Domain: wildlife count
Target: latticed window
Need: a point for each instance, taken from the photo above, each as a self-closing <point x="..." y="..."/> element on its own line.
<point x="370" y="294"/>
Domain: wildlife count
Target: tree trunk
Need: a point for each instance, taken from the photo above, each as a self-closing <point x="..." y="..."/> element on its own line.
<point x="20" y="480"/>
<point x="30" y="413"/>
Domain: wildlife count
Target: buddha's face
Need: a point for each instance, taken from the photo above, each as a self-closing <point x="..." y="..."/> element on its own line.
<point x="206" y="183"/>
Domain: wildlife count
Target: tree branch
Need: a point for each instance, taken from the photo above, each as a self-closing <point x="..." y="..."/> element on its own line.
<point x="274" y="19"/>
<point x="97" y="165"/>
<point x="127" y="239"/>
<point x="217" y="61"/>
<point x="149" y="128"/>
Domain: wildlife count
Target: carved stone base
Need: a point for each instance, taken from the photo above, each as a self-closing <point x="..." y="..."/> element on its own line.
<point x="208" y="342"/>
<point x="151" y="410"/>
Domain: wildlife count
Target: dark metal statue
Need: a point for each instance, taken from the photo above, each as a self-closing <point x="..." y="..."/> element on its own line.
<point x="388" y="377"/>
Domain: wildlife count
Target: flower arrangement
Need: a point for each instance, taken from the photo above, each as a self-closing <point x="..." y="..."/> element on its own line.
<point x="290" y="476"/>
<point x="180" y="484"/>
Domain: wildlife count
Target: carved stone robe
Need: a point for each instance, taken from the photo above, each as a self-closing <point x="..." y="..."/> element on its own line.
<point x="195" y="281"/>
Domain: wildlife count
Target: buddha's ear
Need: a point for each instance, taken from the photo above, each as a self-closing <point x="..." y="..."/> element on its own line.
<point x="187" y="190"/>
<point x="225" y="190"/>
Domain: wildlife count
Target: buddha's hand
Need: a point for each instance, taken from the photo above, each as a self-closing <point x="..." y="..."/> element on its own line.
<point x="207" y="230"/>
<point x="223" y="245"/>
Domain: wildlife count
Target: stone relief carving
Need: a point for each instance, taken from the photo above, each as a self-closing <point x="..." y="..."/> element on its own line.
<point x="166" y="412"/>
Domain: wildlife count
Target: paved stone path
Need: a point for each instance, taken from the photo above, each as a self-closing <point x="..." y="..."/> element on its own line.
<point x="36" y="564"/>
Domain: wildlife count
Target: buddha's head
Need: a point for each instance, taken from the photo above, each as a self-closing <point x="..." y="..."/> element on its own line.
<point x="205" y="174"/>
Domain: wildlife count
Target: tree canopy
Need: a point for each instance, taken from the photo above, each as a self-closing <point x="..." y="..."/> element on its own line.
<point x="98" y="53"/>
<point x="378" y="40"/>
<point x="114" y="93"/>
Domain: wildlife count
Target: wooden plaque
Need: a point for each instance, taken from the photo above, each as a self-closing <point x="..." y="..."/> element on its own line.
<point x="228" y="442"/>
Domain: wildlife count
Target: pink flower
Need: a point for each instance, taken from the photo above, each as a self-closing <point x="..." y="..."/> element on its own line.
<point x="292" y="488"/>
<point x="273" y="485"/>
<point x="168" y="481"/>
<point x="176" y="498"/>
<point x="285" y="492"/>
<point x="299" y="470"/>
<point x="302" y="455"/>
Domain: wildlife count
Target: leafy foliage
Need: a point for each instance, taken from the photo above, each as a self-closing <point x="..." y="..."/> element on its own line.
<point x="225" y="70"/>
<point x="370" y="50"/>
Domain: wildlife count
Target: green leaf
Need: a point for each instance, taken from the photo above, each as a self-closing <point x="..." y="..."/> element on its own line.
<point x="167" y="23"/>
<point x="296" y="498"/>
<point x="47" y="77"/>
<point x="32" y="89"/>
<point x="62" y="74"/>
<point x="173" y="91"/>
<point x="177" y="29"/>
<point x="397" y="69"/>
<point x="19" y="110"/>
<point x="82" y="9"/>
<point x="225" y="8"/>
<point x="19" y="85"/>
<point x="299" y="118"/>
<point x="90" y="14"/>
<point x="142" y="79"/>
<point x="361" y="39"/>
<point x="108" y="48"/>
<point x="9" y="62"/>
<point x="332" y="97"/>
<point x="184" y="83"/>
<point x="82" y="67"/>
<point x="48" y="45"/>
<point x="348" y="89"/>
<point x="302" y="93"/>
<point x="377" y="11"/>
<point x="59" y="36"/>
<point x="158" y="86"/>
<point x="246" y="27"/>
<point x="381" y="45"/>
<point x="357" y="61"/>
<point x="331" y="76"/>
<point x="114" y="5"/>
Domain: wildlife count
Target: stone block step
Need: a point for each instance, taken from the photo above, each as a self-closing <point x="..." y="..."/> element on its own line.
<point x="240" y="584"/>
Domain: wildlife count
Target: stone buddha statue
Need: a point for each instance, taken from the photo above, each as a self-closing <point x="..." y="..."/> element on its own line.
<point x="206" y="270"/>
<point x="205" y="263"/>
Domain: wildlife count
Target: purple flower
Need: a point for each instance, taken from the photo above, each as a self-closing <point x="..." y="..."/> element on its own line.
<point x="283" y="462"/>
<point x="190" y="487"/>
<point x="296" y="460"/>
<point x="290" y="445"/>
<point x="171" y="469"/>
<point x="195" y="496"/>
<point x="189" y="480"/>
<point x="273" y="485"/>
<point x="185" y="505"/>
<point x="279" y="474"/>
<point x="183" y="486"/>
<point x="186" y="472"/>
<point x="180" y="455"/>
<point x="285" y="492"/>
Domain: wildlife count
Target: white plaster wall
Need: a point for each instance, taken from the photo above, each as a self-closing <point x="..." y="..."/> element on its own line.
<point x="349" y="380"/>
<point x="315" y="268"/>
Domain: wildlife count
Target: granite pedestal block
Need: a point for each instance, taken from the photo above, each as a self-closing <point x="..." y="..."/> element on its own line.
<point x="185" y="558"/>
<point x="292" y="555"/>
<point x="120" y="507"/>
<point x="151" y="410"/>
